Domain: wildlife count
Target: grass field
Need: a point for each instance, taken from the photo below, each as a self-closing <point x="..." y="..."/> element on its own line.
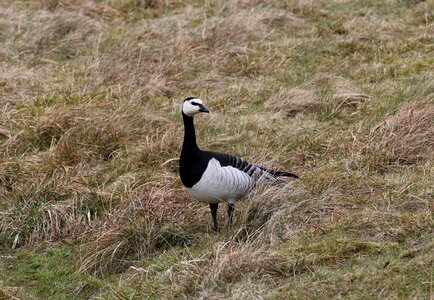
<point x="339" y="92"/>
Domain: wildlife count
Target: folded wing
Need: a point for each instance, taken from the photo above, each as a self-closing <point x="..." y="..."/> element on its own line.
<point x="250" y="169"/>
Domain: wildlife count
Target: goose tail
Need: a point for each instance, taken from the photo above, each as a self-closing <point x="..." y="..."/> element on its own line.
<point x="279" y="173"/>
<point x="283" y="174"/>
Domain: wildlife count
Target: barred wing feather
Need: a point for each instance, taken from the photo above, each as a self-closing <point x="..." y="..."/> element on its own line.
<point x="250" y="169"/>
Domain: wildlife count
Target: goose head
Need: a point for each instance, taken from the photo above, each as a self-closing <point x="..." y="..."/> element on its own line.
<point x="192" y="106"/>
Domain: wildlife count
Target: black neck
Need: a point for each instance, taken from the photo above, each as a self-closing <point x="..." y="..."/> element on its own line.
<point x="191" y="163"/>
<point x="189" y="134"/>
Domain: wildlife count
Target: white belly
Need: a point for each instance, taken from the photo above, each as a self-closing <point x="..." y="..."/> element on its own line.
<point x="221" y="184"/>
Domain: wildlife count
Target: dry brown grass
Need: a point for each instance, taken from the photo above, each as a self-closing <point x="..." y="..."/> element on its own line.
<point x="222" y="265"/>
<point x="56" y="180"/>
<point x="150" y="221"/>
<point x="324" y="93"/>
<point x="90" y="133"/>
<point x="400" y="139"/>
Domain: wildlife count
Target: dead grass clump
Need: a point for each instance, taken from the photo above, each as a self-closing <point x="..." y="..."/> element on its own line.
<point x="157" y="146"/>
<point x="374" y="29"/>
<point x="133" y="67"/>
<point x="277" y="214"/>
<point x="268" y="213"/>
<point x="117" y="246"/>
<point x="324" y="93"/>
<point x="404" y="138"/>
<point x="305" y="7"/>
<point x="19" y="82"/>
<point x="246" y="26"/>
<point x="395" y="225"/>
<point x="104" y="133"/>
<point x="43" y="207"/>
<point x="99" y="139"/>
<point x="61" y="34"/>
<point x="226" y="263"/>
<point x="237" y="263"/>
<point x="152" y="221"/>
<point x="297" y="6"/>
<point x="293" y="101"/>
<point x="32" y="131"/>
<point x="47" y="131"/>
<point x="89" y="8"/>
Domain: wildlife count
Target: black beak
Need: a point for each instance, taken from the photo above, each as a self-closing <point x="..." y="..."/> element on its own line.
<point x="202" y="108"/>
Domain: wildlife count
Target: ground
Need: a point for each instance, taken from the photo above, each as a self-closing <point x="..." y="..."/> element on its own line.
<point x="339" y="92"/>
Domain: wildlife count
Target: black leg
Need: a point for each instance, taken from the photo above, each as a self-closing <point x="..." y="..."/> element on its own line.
<point x="213" y="207"/>
<point x="230" y="213"/>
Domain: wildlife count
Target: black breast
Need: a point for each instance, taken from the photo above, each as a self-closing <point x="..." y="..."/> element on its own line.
<point x="192" y="164"/>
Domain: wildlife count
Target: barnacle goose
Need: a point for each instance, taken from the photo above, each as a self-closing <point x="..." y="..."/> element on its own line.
<point x="213" y="177"/>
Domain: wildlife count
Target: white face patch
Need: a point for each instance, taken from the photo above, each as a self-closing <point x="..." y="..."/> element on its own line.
<point x="189" y="108"/>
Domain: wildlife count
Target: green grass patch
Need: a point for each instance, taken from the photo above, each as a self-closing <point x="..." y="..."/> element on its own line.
<point x="48" y="272"/>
